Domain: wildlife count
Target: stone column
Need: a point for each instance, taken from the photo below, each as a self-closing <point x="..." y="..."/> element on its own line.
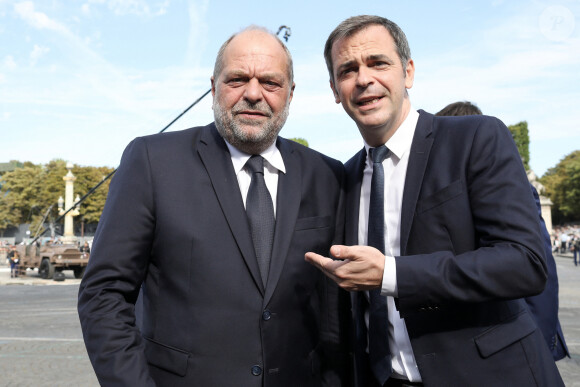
<point x="68" y="236"/>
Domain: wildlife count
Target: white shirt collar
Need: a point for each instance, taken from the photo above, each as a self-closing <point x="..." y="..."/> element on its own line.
<point x="400" y="142"/>
<point x="272" y="155"/>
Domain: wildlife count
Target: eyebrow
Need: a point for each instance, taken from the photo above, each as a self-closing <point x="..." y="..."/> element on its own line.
<point x="379" y="57"/>
<point x="372" y="58"/>
<point x="265" y="76"/>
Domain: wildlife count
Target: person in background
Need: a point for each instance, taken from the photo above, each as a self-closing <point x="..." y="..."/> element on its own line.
<point x="564" y="242"/>
<point x="14" y="259"/>
<point x="85" y="248"/>
<point x="442" y="238"/>
<point x="544" y="306"/>
<point x="576" y="245"/>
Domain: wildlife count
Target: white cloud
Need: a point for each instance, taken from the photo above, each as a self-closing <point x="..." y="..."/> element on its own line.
<point x="37" y="53"/>
<point x="86" y="9"/>
<point x="132" y="7"/>
<point x="37" y="19"/>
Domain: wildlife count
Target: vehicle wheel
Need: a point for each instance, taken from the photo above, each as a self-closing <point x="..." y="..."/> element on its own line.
<point x="58" y="276"/>
<point x="79" y="271"/>
<point x="46" y="269"/>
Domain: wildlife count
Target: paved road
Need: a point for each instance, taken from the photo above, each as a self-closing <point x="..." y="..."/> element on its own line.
<point x="41" y="341"/>
<point x="40" y="337"/>
<point x="569" y="279"/>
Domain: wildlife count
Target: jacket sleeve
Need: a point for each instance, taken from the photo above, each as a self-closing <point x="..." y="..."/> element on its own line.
<point x="478" y="238"/>
<point x="116" y="270"/>
<point x="544" y="306"/>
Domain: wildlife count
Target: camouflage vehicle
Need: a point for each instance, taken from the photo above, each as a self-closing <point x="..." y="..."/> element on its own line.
<point x="51" y="259"/>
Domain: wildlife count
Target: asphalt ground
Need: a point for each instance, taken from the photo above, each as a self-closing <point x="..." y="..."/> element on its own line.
<point x="41" y="340"/>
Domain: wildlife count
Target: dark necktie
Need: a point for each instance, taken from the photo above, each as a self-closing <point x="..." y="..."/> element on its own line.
<point x="379" y="356"/>
<point x="260" y="211"/>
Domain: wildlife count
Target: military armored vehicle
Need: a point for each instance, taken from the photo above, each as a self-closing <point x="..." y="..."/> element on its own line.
<point x="53" y="258"/>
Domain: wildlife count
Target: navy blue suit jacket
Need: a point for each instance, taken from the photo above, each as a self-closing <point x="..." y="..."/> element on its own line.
<point x="175" y="223"/>
<point x="470" y="251"/>
<point x="544" y="306"/>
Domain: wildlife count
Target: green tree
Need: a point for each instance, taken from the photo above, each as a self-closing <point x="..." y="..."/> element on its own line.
<point x="87" y="178"/>
<point x="300" y="140"/>
<point x="29" y="193"/>
<point x="522" y="139"/>
<point x="19" y="195"/>
<point x="9" y="215"/>
<point x="562" y="184"/>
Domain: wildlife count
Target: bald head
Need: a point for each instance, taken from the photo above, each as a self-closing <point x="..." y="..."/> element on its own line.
<point x="253" y="32"/>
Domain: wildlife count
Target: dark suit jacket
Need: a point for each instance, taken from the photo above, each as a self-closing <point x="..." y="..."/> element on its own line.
<point x="470" y="250"/>
<point x="175" y="223"/>
<point x="544" y="306"/>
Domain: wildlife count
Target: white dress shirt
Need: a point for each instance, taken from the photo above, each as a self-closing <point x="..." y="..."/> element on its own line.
<point x="273" y="163"/>
<point x="395" y="167"/>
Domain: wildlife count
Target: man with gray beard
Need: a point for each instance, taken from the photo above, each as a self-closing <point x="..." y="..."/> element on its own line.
<point x="212" y="224"/>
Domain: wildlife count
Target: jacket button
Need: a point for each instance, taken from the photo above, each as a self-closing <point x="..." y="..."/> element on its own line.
<point x="256" y="370"/>
<point x="266" y="315"/>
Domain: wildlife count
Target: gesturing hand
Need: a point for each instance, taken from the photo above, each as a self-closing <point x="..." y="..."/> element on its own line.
<point x="358" y="267"/>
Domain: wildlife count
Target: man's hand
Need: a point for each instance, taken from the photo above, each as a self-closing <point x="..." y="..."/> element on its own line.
<point x="360" y="267"/>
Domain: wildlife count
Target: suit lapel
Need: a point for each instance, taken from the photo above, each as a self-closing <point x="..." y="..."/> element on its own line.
<point x="354" y="175"/>
<point x="418" y="157"/>
<point x="217" y="160"/>
<point x="287" y="206"/>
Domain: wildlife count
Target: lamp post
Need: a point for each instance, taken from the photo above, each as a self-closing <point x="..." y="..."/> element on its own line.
<point x="68" y="236"/>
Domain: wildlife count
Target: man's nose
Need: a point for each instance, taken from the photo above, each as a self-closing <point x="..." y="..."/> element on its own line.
<point x="253" y="91"/>
<point x="364" y="77"/>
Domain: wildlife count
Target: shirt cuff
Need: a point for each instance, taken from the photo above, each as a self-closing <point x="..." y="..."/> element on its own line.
<point x="389" y="287"/>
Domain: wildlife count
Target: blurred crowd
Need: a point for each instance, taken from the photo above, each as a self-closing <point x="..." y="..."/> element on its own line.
<point x="566" y="239"/>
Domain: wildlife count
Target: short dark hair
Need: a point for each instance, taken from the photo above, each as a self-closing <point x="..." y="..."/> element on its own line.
<point x="464" y="108"/>
<point x="354" y="24"/>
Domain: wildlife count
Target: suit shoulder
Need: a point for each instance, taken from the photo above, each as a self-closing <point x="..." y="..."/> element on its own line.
<point x="308" y="153"/>
<point x="178" y="136"/>
<point x="353" y="159"/>
<point x="162" y="145"/>
<point x="355" y="162"/>
<point x="458" y="127"/>
<point x="466" y="122"/>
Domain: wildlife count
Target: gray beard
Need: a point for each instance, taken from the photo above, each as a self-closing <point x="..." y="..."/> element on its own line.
<point x="254" y="143"/>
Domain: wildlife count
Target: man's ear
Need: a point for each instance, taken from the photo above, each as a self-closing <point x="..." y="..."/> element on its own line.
<point x="212" y="86"/>
<point x="292" y="92"/>
<point x="336" y="97"/>
<point x="409" y="74"/>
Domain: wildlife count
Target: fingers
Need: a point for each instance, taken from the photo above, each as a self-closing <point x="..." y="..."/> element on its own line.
<point x="358" y="267"/>
<point x="316" y="259"/>
<point x="326" y="265"/>
<point x="353" y="253"/>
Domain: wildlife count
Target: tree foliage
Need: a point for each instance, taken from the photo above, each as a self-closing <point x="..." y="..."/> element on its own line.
<point x="29" y="193"/>
<point x="562" y="184"/>
<point x="300" y="140"/>
<point x="522" y="139"/>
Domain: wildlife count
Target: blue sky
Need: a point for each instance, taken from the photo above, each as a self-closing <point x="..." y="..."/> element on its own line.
<point x="80" y="79"/>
